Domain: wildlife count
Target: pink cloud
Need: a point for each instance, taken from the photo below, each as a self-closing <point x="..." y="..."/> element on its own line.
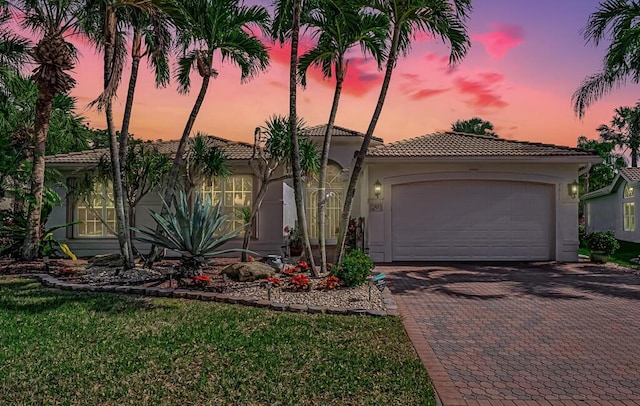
<point x="482" y="93"/>
<point x="501" y="40"/>
<point x="425" y="93"/>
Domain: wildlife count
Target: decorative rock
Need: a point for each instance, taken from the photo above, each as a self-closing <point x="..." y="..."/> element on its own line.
<point x="316" y="309"/>
<point x="281" y="307"/>
<point x="180" y="293"/>
<point x="138" y="290"/>
<point x="75" y="286"/>
<point x="358" y="311"/>
<point x="336" y="310"/>
<point x="379" y="313"/>
<point x="106" y="260"/>
<point x="221" y="298"/>
<point x="298" y="308"/>
<point x="194" y="295"/>
<point x="108" y="288"/>
<point x="122" y="289"/>
<point x="394" y="312"/>
<point x="151" y="291"/>
<point x="263" y="303"/>
<point x="208" y="296"/>
<point x="247" y="301"/>
<point x="165" y="292"/>
<point x="248" y="271"/>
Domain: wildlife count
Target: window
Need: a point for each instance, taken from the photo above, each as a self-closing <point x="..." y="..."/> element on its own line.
<point x="629" y="216"/>
<point x="236" y="194"/>
<point x="334" y="190"/>
<point x="628" y="191"/>
<point x="97" y="213"/>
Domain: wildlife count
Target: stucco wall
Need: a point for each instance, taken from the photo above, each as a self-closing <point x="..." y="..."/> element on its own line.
<point x="390" y="173"/>
<point x="605" y="213"/>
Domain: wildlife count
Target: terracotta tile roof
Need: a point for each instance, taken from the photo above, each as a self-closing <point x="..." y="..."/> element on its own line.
<point x="452" y="144"/>
<point x="318" y="131"/>
<point x="633" y="174"/>
<point x="233" y="150"/>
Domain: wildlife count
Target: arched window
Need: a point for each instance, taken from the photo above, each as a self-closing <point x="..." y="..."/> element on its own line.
<point x="334" y="190"/>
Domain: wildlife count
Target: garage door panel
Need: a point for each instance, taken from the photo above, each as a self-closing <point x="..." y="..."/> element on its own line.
<point x="472" y="220"/>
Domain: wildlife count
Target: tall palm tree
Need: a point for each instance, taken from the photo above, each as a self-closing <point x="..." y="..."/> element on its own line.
<point x="52" y="21"/>
<point x="338" y="25"/>
<point x="624" y="131"/>
<point x="620" y="21"/>
<point x="105" y="22"/>
<point x="223" y="27"/>
<point x="13" y="47"/>
<point x="442" y="19"/>
<point x="474" y="125"/>
<point x="286" y="26"/>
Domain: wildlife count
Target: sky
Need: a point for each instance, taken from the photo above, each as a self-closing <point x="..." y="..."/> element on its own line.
<point x="526" y="60"/>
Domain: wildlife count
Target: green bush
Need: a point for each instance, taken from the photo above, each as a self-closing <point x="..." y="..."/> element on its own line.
<point x="354" y="269"/>
<point x="602" y="241"/>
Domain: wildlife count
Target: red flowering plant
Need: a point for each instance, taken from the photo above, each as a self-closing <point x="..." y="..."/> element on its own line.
<point x="300" y="282"/>
<point x="276" y="282"/>
<point x="329" y="283"/>
<point x="303" y="266"/>
<point x="201" y="280"/>
<point x="291" y="270"/>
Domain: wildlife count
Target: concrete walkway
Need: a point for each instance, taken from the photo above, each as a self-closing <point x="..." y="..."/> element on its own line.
<point x="523" y="334"/>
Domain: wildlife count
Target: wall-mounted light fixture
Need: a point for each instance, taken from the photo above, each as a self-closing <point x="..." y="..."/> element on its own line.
<point x="377" y="189"/>
<point x="572" y="189"/>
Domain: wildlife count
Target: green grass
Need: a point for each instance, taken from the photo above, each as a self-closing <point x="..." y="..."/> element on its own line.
<point x="62" y="347"/>
<point x="627" y="251"/>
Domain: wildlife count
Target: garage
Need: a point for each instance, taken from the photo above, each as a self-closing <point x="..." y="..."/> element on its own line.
<point x="473" y="220"/>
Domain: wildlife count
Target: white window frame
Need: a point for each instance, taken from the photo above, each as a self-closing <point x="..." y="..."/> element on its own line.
<point x="229" y="189"/>
<point x="335" y="190"/>
<point x="629" y="211"/>
<point x="100" y="203"/>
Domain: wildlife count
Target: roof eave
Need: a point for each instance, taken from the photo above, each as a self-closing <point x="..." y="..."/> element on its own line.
<point x="569" y="159"/>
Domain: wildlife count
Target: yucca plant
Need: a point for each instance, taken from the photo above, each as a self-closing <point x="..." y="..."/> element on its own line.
<point x="196" y="230"/>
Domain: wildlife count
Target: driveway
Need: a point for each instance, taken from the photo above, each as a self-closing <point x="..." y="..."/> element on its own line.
<point x="530" y="334"/>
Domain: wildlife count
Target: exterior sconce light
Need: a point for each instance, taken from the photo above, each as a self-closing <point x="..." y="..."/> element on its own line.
<point x="572" y="189"/>
<point x="377" y="189"/>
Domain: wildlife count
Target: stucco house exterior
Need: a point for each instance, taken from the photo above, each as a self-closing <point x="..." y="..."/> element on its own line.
<point x="441" y="196"/>
<point x="614" y="207"/>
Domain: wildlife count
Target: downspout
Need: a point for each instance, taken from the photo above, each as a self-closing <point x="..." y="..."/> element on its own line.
<point x="584" y="170"/>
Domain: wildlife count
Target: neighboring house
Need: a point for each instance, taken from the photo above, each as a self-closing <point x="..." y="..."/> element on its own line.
<point x="614" y="207"/>
<point x="443" y="196"/>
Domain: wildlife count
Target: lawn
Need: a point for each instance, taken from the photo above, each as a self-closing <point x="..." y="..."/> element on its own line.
<point x="65" y="347"/>
<point x="627" y="251"/>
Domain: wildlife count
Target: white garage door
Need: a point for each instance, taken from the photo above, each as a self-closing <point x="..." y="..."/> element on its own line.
<point x="472" y="221"/>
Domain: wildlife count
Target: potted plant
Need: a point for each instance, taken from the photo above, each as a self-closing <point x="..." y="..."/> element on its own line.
<point x="601" y="245"/>
<point x="294" y="241"/>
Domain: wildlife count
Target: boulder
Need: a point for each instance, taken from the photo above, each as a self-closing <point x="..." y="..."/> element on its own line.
<point x="106" y="260"/>
<point x="248" y="271"/>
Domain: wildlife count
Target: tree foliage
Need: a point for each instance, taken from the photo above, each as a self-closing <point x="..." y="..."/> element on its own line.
<point x="474" y="125"/>
<point x="600" y="175"/>
<point x="624" y="131"/>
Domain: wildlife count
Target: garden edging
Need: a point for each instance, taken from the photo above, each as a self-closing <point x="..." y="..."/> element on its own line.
<point x="53" y="282"/>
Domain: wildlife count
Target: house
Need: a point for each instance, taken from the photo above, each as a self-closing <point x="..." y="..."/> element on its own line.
<point x="614" y="207"/>
<point x="441" y="196"/>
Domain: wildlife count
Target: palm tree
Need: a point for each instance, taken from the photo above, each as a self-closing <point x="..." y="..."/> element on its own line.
<point x="619" y="20"/>
<point x="286" y="25"/>
<point x="272" y="151"/>
<point x="474" y="125"/>
<point x="339" y="25"/>
<point x="443" y="19"/>
<point x="216" y="26"/>
<point x="105" y="23"/>
<point x="52" y="21"/>
<point x="13" y="47"/>
<point x="624" y="131"/>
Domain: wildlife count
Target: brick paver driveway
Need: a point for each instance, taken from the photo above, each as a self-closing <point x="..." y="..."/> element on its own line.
<point x="530" y="334"/>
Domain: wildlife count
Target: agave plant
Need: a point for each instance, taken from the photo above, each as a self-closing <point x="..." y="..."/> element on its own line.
<point x="195" y="229"/>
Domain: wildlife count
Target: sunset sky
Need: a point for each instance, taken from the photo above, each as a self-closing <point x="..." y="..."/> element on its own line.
<point x="526" y="60"/>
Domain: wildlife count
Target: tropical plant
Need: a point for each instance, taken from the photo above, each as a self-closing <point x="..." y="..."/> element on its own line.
<point x="620" y="21"/>
<point x="624" y="131"/>
<point x="271" y="161"/>
<point x="53" y="56"/>
<point x="286" y="25"/>
<point x="216" y="26"/>
<point x="13" y="47"/>
<point x="203" y="161"/>
<point x="196" y="230"/>
<point x="338" y="25"/>
<point x="442" y="19"/>
<point x="474" y="125"/>
<point x="604" y="241"/>
<point x="602" y="174"/>
<point x="354" y="269"/>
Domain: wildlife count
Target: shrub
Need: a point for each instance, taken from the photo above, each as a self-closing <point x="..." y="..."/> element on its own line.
<point x="329" y="283"/>
<point x="354" y="269"/>
<point x="602" y="241"/>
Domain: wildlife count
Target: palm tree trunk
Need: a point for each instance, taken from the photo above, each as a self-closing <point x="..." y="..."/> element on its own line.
<point x="324" y="162"/>
<point x="172" y="181"/>
<point x="634" y="157"/>
<point x="295" y="145"/>
<point x="360" y="156"/>
<point x="136" y="56"/>
<point x="254" y="212"/>
<point x="118" y="195"/>
<point x="41" y="128"/>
